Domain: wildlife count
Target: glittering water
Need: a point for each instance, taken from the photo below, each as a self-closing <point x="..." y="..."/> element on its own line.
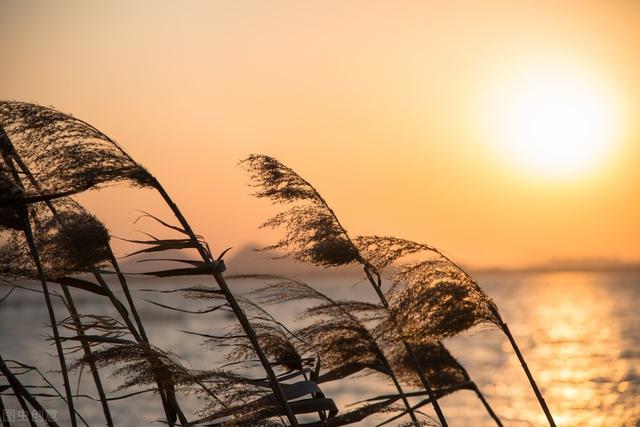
<point x="580" y="334"/>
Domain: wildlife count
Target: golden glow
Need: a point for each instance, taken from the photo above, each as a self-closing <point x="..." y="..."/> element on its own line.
<point x="556" y="122"/>
<point x="388" y="109"/>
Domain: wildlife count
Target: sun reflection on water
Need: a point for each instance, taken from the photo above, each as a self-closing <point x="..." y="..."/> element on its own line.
<point x="574" y="333"/>
<point x="579" y="332"/>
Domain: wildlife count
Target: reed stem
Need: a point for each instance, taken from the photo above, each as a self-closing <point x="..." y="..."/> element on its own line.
<point x="52" y="317"/>
<point x="3" y="414"/>
<point x="120" y="308"/>
<point x="383" y="299"/>
<point x="438" y="394"/>
<point x="534" y="386"/>
<point x="403" y="396"/>
<point x="125" y="289"/>
<point x="87" y="351"/>
<point x="26" y="411"/>
<point x="414" y="359"/>
<point x="22" y="392"/>
<point x="233" y="303"/>
<point x="487" y="406"/>
<point x="480" y="396"/>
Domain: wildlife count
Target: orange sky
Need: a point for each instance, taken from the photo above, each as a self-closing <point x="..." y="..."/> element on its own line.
<point x="383" y="106"/>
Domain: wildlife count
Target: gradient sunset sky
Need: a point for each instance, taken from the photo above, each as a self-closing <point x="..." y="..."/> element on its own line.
<point x="389" y="108"/>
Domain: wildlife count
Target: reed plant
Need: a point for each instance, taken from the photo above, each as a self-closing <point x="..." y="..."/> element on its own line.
<point x="429" y="300"/>
<point x="48" y="157"/>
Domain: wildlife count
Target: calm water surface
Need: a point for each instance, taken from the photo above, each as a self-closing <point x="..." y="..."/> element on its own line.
<point x="580" y="333"/>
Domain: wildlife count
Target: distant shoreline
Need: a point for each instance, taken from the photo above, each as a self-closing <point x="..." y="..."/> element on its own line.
<point x="629" y="268"/>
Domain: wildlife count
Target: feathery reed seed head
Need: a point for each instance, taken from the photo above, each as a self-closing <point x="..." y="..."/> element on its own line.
<point x="63" y="153"/>
<point x="313" y="234"/>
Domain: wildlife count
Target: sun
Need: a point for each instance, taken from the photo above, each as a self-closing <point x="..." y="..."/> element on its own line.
<point x="555" y="122"/>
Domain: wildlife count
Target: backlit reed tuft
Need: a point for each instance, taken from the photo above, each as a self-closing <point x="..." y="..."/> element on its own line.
<point x="312" y="232"/>
<point x="59" y="155"/>
<point x="336" y="334"/>
<point x="310" y="223"/>
<point x="47" y="155"/>
<point x="66" y="154"/>
<point x="72" y="241"/>
<point x="274" y="339"/>
<point x="442" y="369"/>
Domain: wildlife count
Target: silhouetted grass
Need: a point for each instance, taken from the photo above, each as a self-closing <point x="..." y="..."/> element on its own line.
<point x="48" y="156"/>
<point x="431" y="299"/>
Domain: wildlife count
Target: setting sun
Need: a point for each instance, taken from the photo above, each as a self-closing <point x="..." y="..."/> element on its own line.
<point x="556" y="123"/>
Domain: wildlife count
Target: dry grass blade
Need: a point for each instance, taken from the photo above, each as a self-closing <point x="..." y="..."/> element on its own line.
<point x="158" y="245"/>
<point x="274" y="338"/>
<point x="201" y="270"/>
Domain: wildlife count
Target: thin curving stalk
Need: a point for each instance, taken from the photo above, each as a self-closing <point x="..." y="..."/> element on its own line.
<point x="505" y="329"/>
<point x="52" y="317"/>
<point x="169" y="401"/>
<point x="233" y="303"/>
<point x="22" y="393"/>
<point x="3" y="414"/>
<point x="87" y="351"/>
<point x="487" y="406"/>
<point x="401" y="392"/>
<point x="534" y="386"/>
<point x="419" y="370"/>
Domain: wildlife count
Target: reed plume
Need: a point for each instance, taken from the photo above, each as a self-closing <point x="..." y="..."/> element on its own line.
<point x="314" y="234"/>
<point x="63" y="155"/>
<point x="246" y="401"/>
<point x="435" y="298"/>
<point x="73" y="241"/>
<point x="48" y="156"/>
<point x="342" y="341"/>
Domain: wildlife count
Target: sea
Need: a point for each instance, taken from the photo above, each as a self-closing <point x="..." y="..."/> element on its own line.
<point x="578" y="331"/>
